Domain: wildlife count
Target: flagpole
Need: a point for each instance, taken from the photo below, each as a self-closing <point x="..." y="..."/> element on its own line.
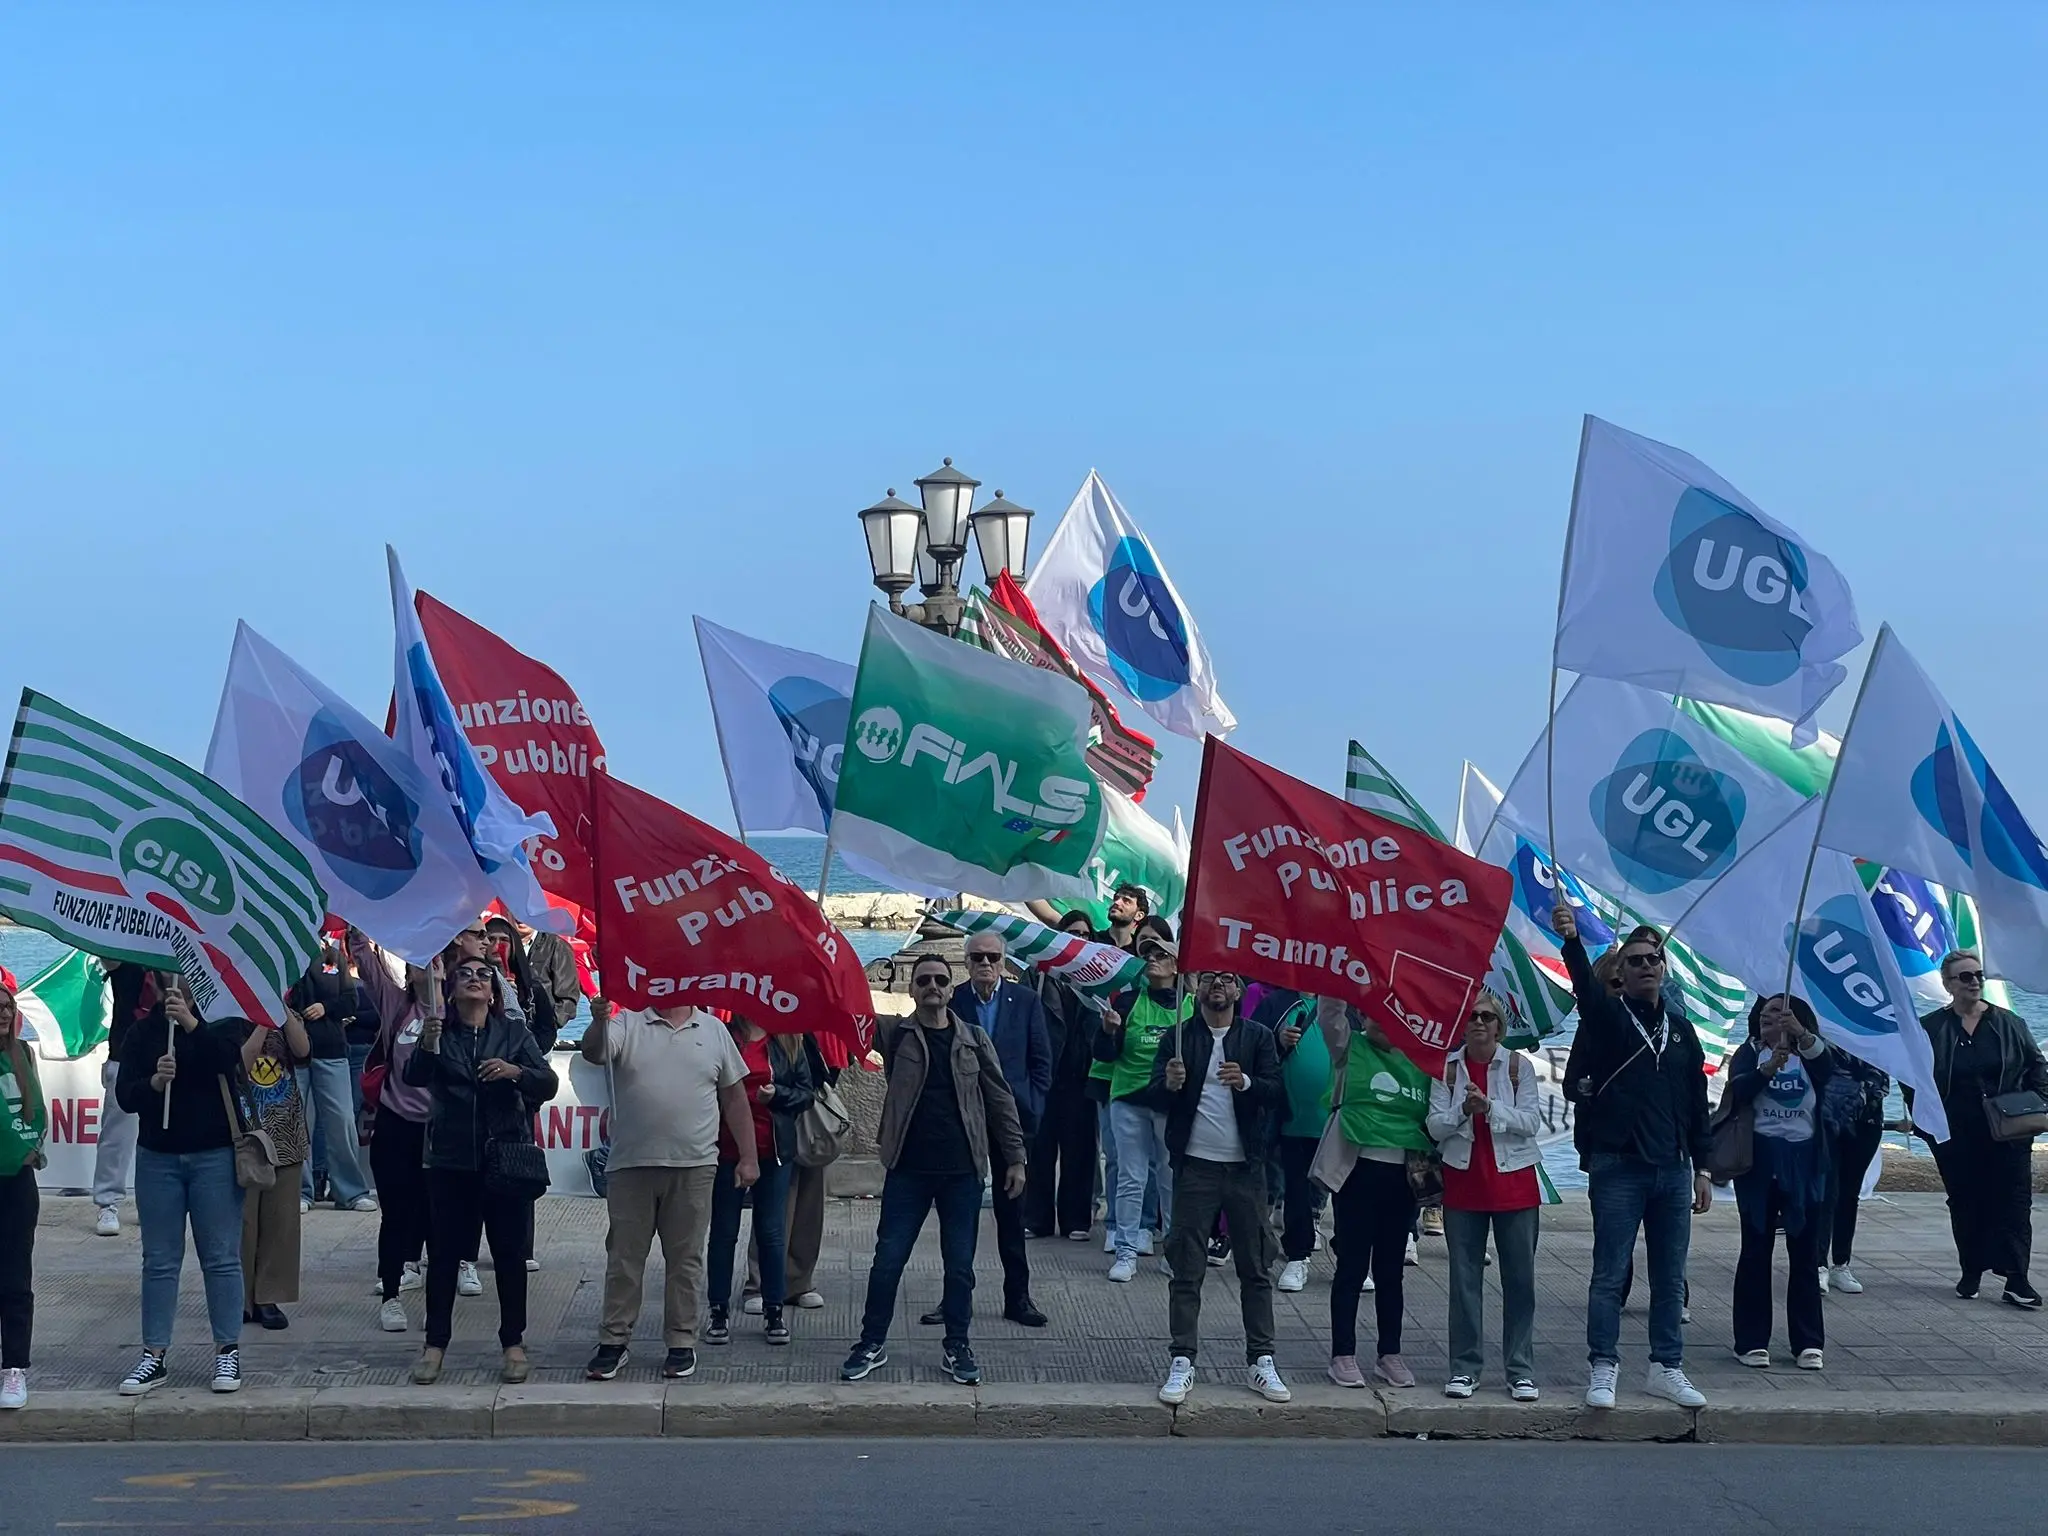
<point x="1827" y="795"/>
<point x="1564" y="575"/>
<point x="825" y="866"/>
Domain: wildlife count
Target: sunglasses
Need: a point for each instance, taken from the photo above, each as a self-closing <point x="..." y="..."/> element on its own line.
<point x="472" y="973"/>
<point x="1967" y="978"/>
<point x="1485" y="1016"/>
<point x="1643" y="962"/>
<point x="1153" y="952"/>
<point x="930" y="980"/>
<point x="984" y="959"/>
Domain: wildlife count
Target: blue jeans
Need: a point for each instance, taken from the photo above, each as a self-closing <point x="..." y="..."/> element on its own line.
<point x="771" y="1231"/>
<point x="170" y="1188"/>
<point x="1140" y="1148"/>
<point x="331" y="1121"/>
<point x="1630" y="1195"/>
<point x="358" y="1056"/>
<point x="906" y="1199"/>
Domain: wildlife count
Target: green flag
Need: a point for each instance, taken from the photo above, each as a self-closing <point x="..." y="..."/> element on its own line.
<point x="1136" y="850"/>
<point x="1537" y="1004"/>
<point x="68" y="1005"/>
<point x="964" y="771"/>
<point x="1098" y="972"/>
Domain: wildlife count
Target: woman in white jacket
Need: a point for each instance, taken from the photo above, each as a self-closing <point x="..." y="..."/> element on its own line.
<point x="1483" y="1114"/>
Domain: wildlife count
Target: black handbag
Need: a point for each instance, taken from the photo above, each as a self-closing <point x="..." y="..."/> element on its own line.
<point x="2016" y="1116"/>
<point x="513" y="1165"/>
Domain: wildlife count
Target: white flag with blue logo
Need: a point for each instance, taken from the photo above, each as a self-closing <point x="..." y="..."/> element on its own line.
<point x="1676" y="581"/>
<point x="428" y="733"/>
<point x="1101" y="592"/>
<point x="1651" y="806"/>
<point x="1913" y="790"/>
<point x="379" y="833"/>
<point x="1846" y="966"/>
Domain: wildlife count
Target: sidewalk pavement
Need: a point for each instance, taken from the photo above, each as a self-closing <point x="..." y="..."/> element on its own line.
<point x="1907" y="1362"/>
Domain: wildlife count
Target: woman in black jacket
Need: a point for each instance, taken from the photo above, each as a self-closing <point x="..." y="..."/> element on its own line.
<point x="1780" y="1076"/>
<point x="483" y="1071"/>
<point x="780" y="1087"/>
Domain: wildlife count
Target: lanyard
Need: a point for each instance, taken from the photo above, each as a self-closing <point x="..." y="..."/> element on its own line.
<point x="1663" y="1036"/>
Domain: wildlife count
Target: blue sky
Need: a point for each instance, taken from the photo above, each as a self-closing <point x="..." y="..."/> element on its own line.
<point x="610" y="314"/>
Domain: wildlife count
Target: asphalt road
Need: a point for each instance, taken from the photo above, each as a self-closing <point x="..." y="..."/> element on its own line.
<point x="909" y="1488"/>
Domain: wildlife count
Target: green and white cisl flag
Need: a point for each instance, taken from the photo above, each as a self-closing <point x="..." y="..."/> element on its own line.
<point x="964" y="771"/>
<point x="1097" y="972"/>
<point x="68" y="1006"/>
<point x="1136" y="850"/>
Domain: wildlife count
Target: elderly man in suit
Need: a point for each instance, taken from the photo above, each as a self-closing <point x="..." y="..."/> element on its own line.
<point x="1011" y="1016"/>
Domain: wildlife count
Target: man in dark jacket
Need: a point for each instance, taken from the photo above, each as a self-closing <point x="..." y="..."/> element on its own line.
<point x="1061" y="1195"/>
<point x="1217" y="1078"/>
<point x="1010" y="1015"/>
<point x="1638" y="1077"/>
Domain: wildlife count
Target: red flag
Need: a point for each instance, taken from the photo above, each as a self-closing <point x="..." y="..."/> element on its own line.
<point x="531" y="734"/>
<point x="687" y="914"/>
<point x="1291" y="885"/>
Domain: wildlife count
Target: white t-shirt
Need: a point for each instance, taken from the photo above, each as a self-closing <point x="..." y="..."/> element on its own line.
<point x="1784" y="1109"/>
<point x="1214" y="1137"/>
<point x="665" y="1082"/>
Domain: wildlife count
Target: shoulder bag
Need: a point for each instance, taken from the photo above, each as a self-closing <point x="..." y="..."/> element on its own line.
<point x="1733" y="1134"/>
<point x="514" y="1165"/>
<point x="2016" y="1116"/>
<point x="821" y="1129"/>
<point x="255" y="1152"/>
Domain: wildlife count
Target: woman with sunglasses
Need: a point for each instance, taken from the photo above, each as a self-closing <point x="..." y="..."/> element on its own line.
<point x="1980" y="1052"/>
<point x="481" y="1071"/>
<point x="1485" y="1114"/>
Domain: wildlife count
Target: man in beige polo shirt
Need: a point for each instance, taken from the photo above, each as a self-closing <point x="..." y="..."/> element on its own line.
<point x="675" y="1073"/>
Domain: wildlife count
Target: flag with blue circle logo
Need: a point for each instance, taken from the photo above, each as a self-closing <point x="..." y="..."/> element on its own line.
<point x="1913" y="790"/>
<point x="1676" y="581"/>
<point x="1102" y="593"/>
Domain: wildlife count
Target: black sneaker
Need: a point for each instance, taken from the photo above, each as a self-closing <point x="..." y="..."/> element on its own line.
<point x="866" y="1358"/>
<point x="958" y="1360"/>
<point x="148" y="1375"/>
<point x="227" y="1370"/>
<point x="2020" y="1294"/>
<point x="773" y="1328"/>
<point x="1219" y="1252"/>
<point x="1967" y="1287"/>
<point x="680" y="1363"/>
<point x="605" y="1364"/>
<point x="718" y="1330"/>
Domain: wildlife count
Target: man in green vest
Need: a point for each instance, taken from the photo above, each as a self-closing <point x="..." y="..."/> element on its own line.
<point x="1129" y="1041"/>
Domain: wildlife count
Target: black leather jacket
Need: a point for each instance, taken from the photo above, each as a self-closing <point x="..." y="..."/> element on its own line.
<point x="467" y="1110"/>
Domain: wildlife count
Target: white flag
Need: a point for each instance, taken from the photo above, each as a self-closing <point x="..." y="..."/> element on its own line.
<point x="1912" y="789"/>
<point x="379" y="833"/>
<point x="1845" y="966"/>
<point x="428" y="733"/>
<point x="1102" y="593"/>
<point x="1478" y="803"/>
<point x="1651" y="805"/>
<point x="1676" y="581"/>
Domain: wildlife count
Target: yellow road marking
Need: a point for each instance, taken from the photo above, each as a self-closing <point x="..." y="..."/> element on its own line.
<point x="543" y="1479"/>
<point x="523" y="1509"/>
<point x="170" y="1479"/>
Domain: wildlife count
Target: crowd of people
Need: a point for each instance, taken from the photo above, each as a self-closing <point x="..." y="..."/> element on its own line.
<point x="1214" y="1121"/>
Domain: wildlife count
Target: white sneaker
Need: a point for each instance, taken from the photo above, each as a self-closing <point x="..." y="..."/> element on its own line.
<point x="1846" y="1281"/>
<point x="533" y="1266"/>
<point x="1669" y="1383"/>
<point x="1755" y="1359"/>
<point x="1109" y="1239"/>
<point x="1823" y="1279"/>
<point x="1460" y="1386"/>
<point x="13" y="1387"/>
<point x="1370" y="1283"/>
<point x="1809" y="1360"/>
<point x="810" y="1301"/>
<point x="412" y="1278"/>
<point x="391" y="1316"/>
<point x="1524" y="1391"/>
<point x="1293" y="1276"/>
<point x="1180" y="1380"/>
<point x="1263" y="1377"/>
<point x="1409" y="1256"/>
<point x="1124" y="1270"/>
<point x="1600" y="1385"/>
<point x="109" y="1222"/>
<point x="1144" y="1245"/>
<point x="363" y="1203"/>
<point x="227" y="1370"/>
<point x="467" y="1281"/>
<point x="751" y="1306"/>
<point x="305" y="1206"/>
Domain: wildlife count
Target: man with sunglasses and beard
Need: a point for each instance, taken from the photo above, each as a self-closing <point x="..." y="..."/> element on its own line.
<point x="1638" y="1076"/>
<point x="946" y="1107"/>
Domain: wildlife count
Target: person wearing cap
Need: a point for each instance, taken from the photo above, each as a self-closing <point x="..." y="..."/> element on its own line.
<point x="1214" y="1081"/>
<point x="1128" y="1039"/>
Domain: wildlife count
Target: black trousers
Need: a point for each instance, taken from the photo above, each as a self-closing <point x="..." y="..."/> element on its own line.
<point x="396" y="1147"/>
<point x="20" y="1205"/>
<point x="1845" y="1185"/>
<point x="1990" y="1196"/>
<point x="1060" y="1195"/>
<point x="1803" y="1327"/>
<point x="1375" y="1210"/>
<point x="1301" y="1196"/>
<point x="460" y="1209"/>
<point x="1010" y="1248"/>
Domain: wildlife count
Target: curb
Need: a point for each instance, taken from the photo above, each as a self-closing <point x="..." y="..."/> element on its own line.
<point x="649" y="1410"/>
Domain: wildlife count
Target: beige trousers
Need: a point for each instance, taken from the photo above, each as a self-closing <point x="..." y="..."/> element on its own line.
<point x="270" y="1242"/>
<point x="674" y="1203"/>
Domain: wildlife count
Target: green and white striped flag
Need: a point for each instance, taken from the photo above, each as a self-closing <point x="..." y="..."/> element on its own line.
<point x="1096" y="971"/>
<point x="1538" y="1004"/>
<point x="69" y="1006"/>
<point x="120" y="850"/>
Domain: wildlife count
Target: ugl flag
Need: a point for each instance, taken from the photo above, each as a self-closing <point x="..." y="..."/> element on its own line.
<point x="1104" y="596"/>
<point x="67" y="1006"/>
<point x="966" y="772"/>
<point x="377" y="831"/>
<point x="686" y="914"/>
<point x="428" y="733"/>
<point x="119" y="850"/>
<point x="781" y="717"/>
<point x="530" y="733"/>
<point x="1914" y="790"/>
<point x="1292" y="886"/>
<point x="1676" y="581"/>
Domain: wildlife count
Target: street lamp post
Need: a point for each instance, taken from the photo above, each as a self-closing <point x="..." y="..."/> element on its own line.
<point x="928" y="544"/>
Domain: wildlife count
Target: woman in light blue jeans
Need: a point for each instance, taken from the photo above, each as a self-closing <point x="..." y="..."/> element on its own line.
<point x="185" y="1174"/>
